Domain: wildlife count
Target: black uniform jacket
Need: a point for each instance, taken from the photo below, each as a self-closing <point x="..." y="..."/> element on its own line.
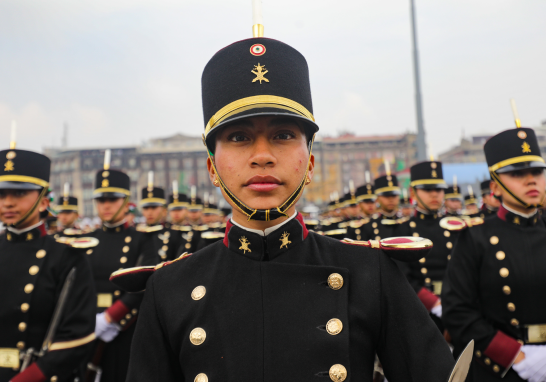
<point x="214" y="233"/>
<point x="191" y="236"/>
<point x="427" y="275"/>
<point x="254" y="308"/>
<point x="378" y="227"/>
<point x="495" y="286"/>
<point x="33" y="270"/>
<point x="164" y="242"/>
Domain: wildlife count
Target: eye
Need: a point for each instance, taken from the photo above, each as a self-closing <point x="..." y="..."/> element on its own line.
<point x="285" y="135"/>
<point x="237" y="137"/>
<point x="20" y="193"/>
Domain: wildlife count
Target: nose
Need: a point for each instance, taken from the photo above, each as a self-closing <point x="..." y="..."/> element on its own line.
<point x="262" y="155"/>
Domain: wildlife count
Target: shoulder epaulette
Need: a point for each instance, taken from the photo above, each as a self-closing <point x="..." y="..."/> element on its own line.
<point x="79" y="242"/>
<point x="310" y="221"/>
<point x="212" y="235"/>
<point x="343" y="225"/>
<point x="202" y="227"/>
<point x="403" y="219"/>
<point x="404" y="248"/>
<point x="359" y="223"/>
<point x="72" y="232"/>
<point x="473" y="221"/>
<point x="389" y="221"/>
<point x="148" y="229"/>
<point x="134" y="279"/>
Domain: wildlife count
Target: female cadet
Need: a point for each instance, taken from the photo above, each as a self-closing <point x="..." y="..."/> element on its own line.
<point x="495" y="284"/>
<point x="273" y="301"/>
<point x="34" y="345"/>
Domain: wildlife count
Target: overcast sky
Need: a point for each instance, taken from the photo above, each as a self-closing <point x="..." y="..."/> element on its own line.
<point x="122" y="71"/>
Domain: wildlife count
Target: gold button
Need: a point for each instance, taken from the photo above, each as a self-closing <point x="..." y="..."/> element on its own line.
<point x="487" y="361"/>
<point x="511" y="307"/>
<point x="29" y="288"/>
<point x="422" y="260"/>
<point x="166" y="241"/>
<point x="514" y="322"/>
<point x="504" y="272"/>
<point x="22" y="327"/>
<point x="358" y="237"/>
<point x="357" y="231"/>
<point x="338" y="373"/>
<point x="20" y="345"/>
<point x="41" y="253"/>
<point x="24" y="307"/>
<point x="500" y="255"/>
<point x="494" y="240"/>
<point x="412" y="224"/>
<point x="188" y="245"/>
<point x="334" y="326"/>
<point x="33" y="270"/>
<point x="199" y="292"/>
<point x="128" y="239"/>
<point x="478" y="353"/>
<point x="335" y="281"/>
<point x="449" y="257"/>
<point x="197" y="336"/>
<point x="190" y="234"/>
<point x="202" y="377"/>
<point x="167" y="234"/>
<point x="424" y="271"/>
<point x="123" y="260"/>
<point x="415" y="234"/>
<point x="427" y="280"/>
<point x="447" y="233"/>
<point x="449" y="245"/>
<point x="54" y="378"/>
<point x="165" y="248"/>
<point x="117" y="293"/>
<point x="89" y="251"/>
<point x="377" y="238"/>
<point x="374" y="225"/>
<point x="125" y="249"/>
<point x="128" y="316"/>
<point x="376" y="231"/>
<point x="496" y="369"/>
<point x="506" y="289"/>
<point x="134" y="311"/>
<point x="123" y="322"/>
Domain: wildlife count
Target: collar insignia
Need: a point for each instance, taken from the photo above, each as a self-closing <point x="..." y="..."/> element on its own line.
<point x="260" y="73"/>
<point x="244" y="244"/>
<point x="284" y="240"/>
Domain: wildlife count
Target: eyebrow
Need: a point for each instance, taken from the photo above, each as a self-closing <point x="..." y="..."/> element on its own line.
<point x="283" y="121"/>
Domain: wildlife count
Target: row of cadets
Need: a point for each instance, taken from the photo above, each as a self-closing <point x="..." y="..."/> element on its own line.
<point x="495" y="284"/>
<point x="35" y="344"/>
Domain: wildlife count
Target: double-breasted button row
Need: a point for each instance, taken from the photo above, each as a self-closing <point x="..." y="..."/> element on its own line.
<point x="198" y="335"/>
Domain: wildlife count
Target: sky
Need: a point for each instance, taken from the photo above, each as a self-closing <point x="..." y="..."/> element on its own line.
<point x="119" y="72"/>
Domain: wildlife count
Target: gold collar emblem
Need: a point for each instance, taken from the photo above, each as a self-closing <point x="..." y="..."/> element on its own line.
<point x="516" y="220"/>
<point x="526" y="148"/>
<point x="260" y="73"/>
<point x="284" y="240"/>
<point x="244" y="244"/>
<point x="8" y="166"/>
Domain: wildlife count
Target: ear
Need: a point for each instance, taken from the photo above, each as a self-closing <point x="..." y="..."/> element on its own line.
<point x="44" y="203"/>
<point x="412" y="192"/>
<point x="311" y="168"/>
<point x="212" y="173"/>
<point x="495" y="189"/>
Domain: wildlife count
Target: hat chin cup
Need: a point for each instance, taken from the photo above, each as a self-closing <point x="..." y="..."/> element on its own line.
<point x="520" y="166"/>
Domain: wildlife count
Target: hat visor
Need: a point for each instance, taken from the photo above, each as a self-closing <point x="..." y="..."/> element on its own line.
<point x="152" y="204"/>
<point x="436" y="186"/>
<point x="520" y="166"/>
<point x="388" y="193"/>
<point x="176" y="208"/>
<point x="19" y="186"/>
<point x="310" y="126"/>
<point x="59" y="210"/>
<point x="108" y="195"/>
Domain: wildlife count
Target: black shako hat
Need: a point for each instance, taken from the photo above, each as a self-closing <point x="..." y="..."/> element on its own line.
<point x="453" y="192"/>
<point x="366" y="193"/>
<point x="387" y="185"/>
<point x="255" y="77"/>
<point x="485" y="187"/>
<point x="111" y="184"/>
<point x="512" y="150"/>
<point x="178" y="201"/>
<point x="427" y="175"/>
<point x="153" y="197"/>
<point x="24" y="170"/>
<point x="349" y="200"/>
<point x="195" y="204"/>
<point x="67" y="204"/>
<point x="470" y="199"/>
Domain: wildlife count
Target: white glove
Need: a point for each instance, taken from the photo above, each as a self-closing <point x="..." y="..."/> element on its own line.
<point x="533" y="366"/>
<point x="105" y="330"/>
<point x="437" y="311"/>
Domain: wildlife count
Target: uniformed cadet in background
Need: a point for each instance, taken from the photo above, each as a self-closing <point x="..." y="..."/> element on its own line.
<point x="67" y="215"/>
<point x="365" y="196"/>
<point x="120" y="247"/>
<point x="35" y="346"/>
<point x="178" y="209"/>
<point x="273" y="301"/>
<point x="471" y="204"/>
<point x="453" y="200"/>
<point x="491" y="203"/>
<point x="216" y="228"/>
<point x="426" y="275"/>
<point x="406" y="207"/>
<point x="193" y="227"/>
<point x="495" y="285"/>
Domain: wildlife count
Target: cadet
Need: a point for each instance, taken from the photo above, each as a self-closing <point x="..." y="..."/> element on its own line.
<point x="365" y="196"/>
<point x="406" y="206"/>
<point x="120" y="247"/>
<point x="273" y="301"/>
<point x="178" y="208"/>
<point x="453" y="201"/>
<point x="193" y="227"/>
<point x="490" y="202"/>
<point x="215" y="229"/>
<point x="67" y="215"/>
<point x="471" y="204"/>
<point x="496" y="283"/>
<point x="35" y="345"/>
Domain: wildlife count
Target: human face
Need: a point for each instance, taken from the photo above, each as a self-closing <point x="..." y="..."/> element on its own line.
<point x="429" y="199"/>
<point x="208" y="218"/>
<point x="529" y="185"/>
<point x="194" y="215"/>
<point x="388" y="203"/>
<point x="407" y="211"/>
<point x="178" y="215"/>
<point x="153" y="214"/>
<point x="491" y="201"/>
<point x="262" y="161"/>
<point x="108" y="207"/>
<point x="453" y="204"/>
<point x="14" y="204"/>
<point x="67" y="218"/>
<point x="368" y="207"/>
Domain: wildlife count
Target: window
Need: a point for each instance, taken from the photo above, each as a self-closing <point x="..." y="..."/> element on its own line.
<point x="159" y="164"/>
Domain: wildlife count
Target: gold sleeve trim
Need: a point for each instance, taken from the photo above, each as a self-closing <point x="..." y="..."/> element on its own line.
<point x="521" y="159"/>
<point x="427" y="181"/>
<point x="112" y="189"/>
<point x="24" y="179"/>
<point x="72" y="344"/>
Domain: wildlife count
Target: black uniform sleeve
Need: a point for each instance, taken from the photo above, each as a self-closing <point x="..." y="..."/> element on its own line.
<point x="461" y="307"/>
<point x="411" y="348"/>
<point x="152" y="359"/>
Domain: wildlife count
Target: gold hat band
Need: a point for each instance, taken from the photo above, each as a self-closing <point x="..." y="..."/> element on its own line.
<point x="67" y="208"/>
<point x="253" y="102"/>
<point x="453" y="196"/>
<point x="24" y="179"/>
<point x="521" y="159"/>
<point x="386" y="189"/>
<point x="112" y="189"/>
<point x="470" y="201"/>
<point x="427" y="181"/>
<point x="178" y="204"/>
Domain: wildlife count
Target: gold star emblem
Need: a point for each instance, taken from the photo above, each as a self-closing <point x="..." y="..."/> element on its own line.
<point x="526" y="148"/>
<point x="516" y="220"/>
<point x="284" y="240"/>
<point x="244" y="244"/>
<point x="260" y="73"/>
<point x="8" y="166"/>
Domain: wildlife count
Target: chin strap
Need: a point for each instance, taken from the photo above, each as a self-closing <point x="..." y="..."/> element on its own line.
<point x="423" y="203"/>
<point x="270" y="214"/>
<point x="125" y="202"/>
<point x="497" y="180"/>
<point x="32" y="209"/>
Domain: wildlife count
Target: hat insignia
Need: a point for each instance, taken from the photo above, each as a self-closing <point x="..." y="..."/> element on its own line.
<point x="105" y="183"/>
<point x="284" y="240"/>
<point x="8" y="166"/>
<point x="434" y="174"/>
<point x="244" y="244"/>
<point x="526" y="148"/>
<point x="260" y="73"/>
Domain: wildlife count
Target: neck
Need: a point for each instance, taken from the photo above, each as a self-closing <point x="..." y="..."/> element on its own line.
<point x="115" y="224"/>
<point x="27" y="227"/>
<point x="268" y="230"/>
<point x="519" y="210"/>
<point x="260" y="225"/>
<point x="388" y="213"/>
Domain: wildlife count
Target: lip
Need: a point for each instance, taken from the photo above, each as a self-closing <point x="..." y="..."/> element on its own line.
<point x="533" y="193"/>
<point x="263" y="183"/>
<point x="9" y="215"/>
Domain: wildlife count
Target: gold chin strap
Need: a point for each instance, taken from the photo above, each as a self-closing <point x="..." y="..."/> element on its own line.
<point x="32" y="209"/>
<point x="497" y="180"/>
<point x="271" y="214"/>
<point x="125" y="202"/>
